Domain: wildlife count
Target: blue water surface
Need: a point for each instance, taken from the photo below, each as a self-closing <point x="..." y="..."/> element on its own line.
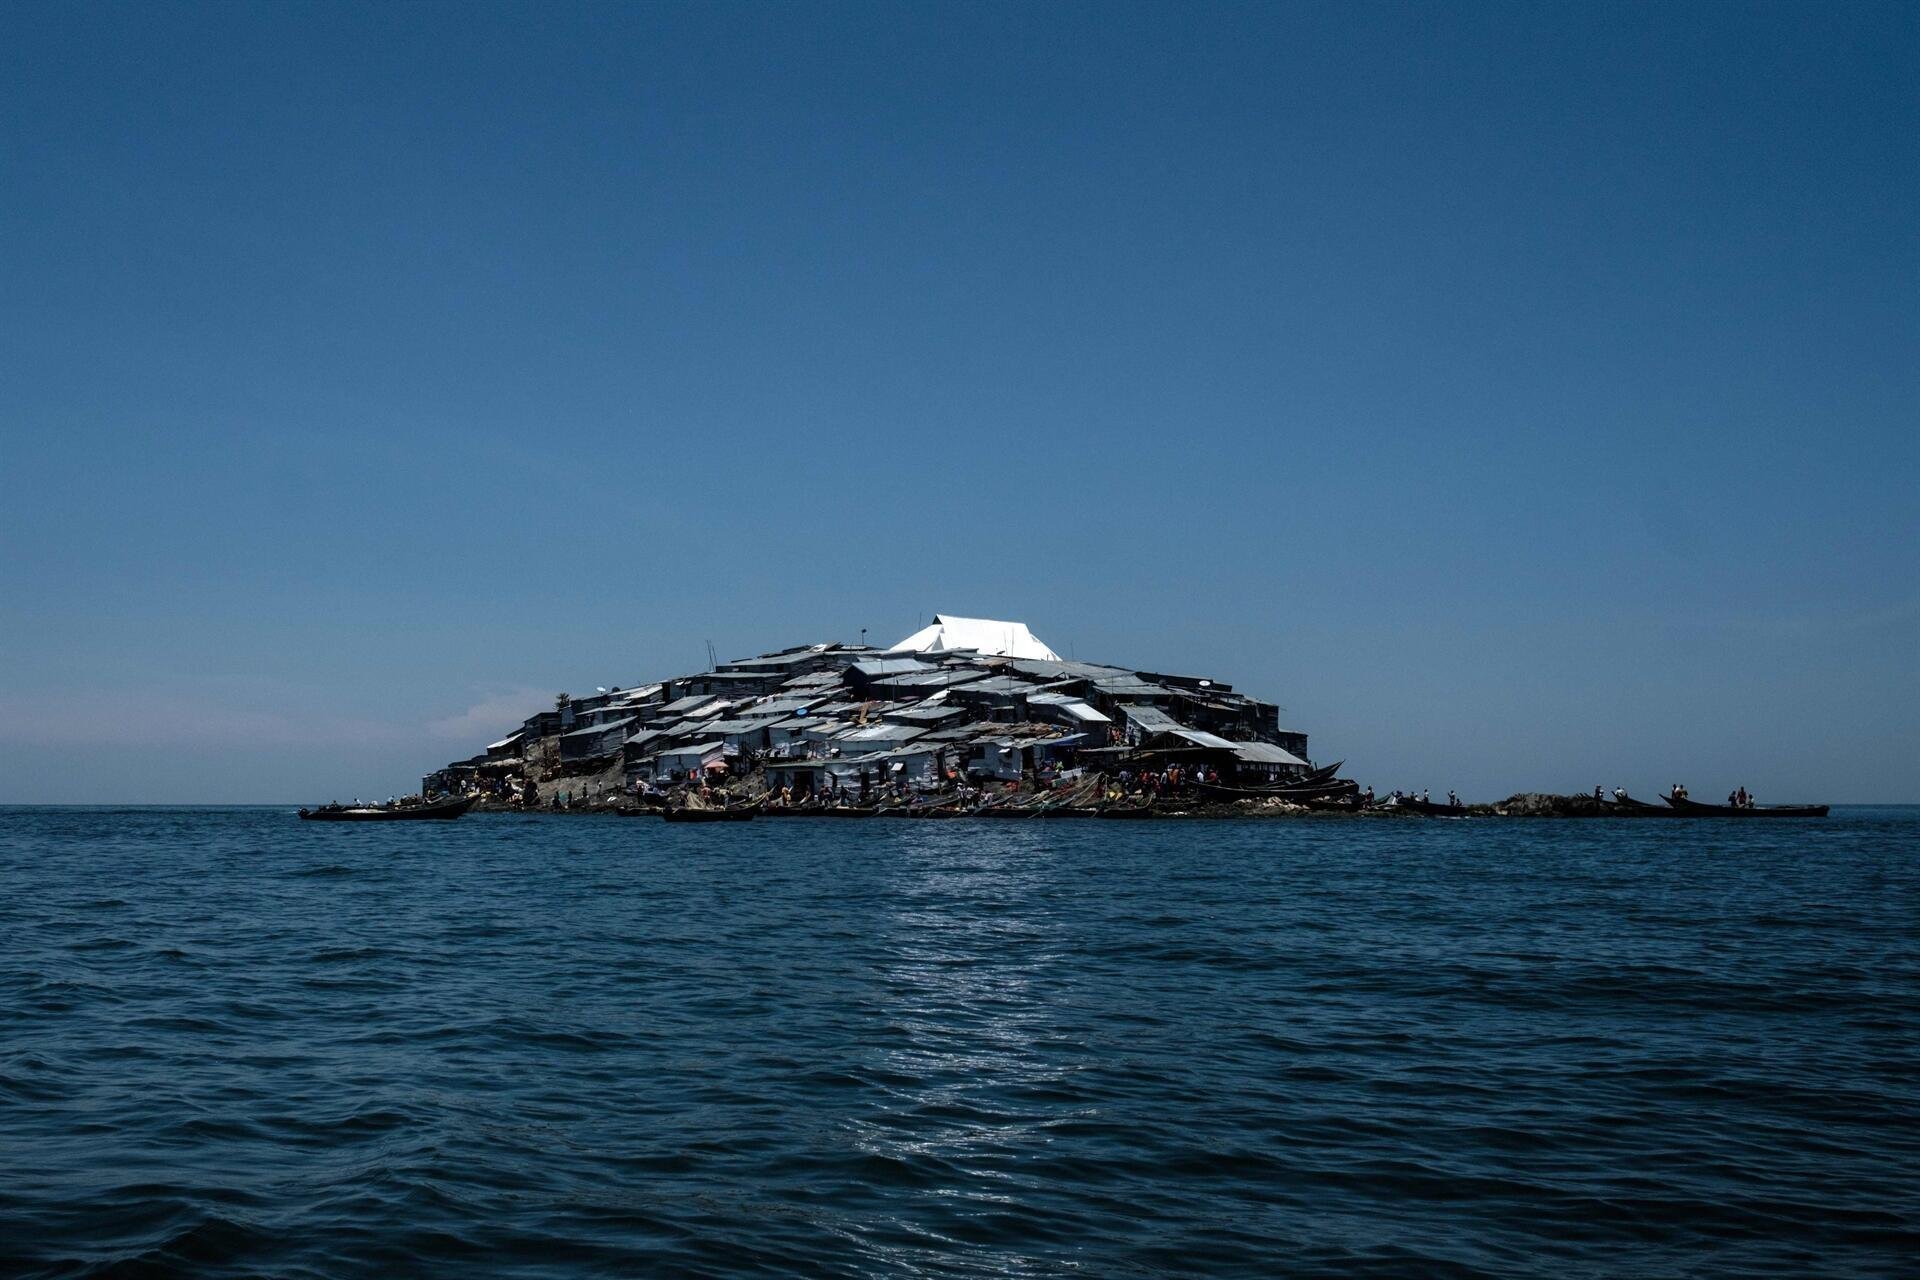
<point x="235" y="1044"/>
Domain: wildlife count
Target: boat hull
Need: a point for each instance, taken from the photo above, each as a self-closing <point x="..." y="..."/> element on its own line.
<point x="850" y="811"/>
<point x="373" y="813"/>
<point x="708" y="815"/>
<point x="1428" y="809"/>
<point x="1628" y="807"/>
<point x="1317" y="776"/>
<point x="1694" y="809"/>
<point x="1331" y="790"/>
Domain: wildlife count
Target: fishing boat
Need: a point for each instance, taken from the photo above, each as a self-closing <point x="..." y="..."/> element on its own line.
<point x="743" y="813"/>
<point x="1628" y="807"/>
<point x="941" y="810"/>
<point x="1694" y="809"/>
<point x="390" y="813"/>
<point x="1318" y="775"/>
<point x="1127" y="811"/>
<point x="1428" y="808"/>
<point x="821" y="811"/>
<point x="1300" y="792"/>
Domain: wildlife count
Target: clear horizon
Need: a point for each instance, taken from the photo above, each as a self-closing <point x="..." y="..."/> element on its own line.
<point x="1525" y="399"/>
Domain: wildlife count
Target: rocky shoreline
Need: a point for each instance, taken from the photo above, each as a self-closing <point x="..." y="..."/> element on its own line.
<point x="1530" y="804"/>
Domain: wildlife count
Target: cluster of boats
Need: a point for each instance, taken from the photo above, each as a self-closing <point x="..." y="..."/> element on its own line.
<point x="1679" y="806"/>
<point x="745" y="812"/>
<point x="1322" y="789"/>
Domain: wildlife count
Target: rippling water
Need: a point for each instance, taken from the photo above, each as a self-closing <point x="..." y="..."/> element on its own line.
<point x="236" y="1044"/>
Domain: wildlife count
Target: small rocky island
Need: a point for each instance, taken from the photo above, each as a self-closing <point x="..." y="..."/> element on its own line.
<point x="966" y="712"/>
<point x="965" y="717"/>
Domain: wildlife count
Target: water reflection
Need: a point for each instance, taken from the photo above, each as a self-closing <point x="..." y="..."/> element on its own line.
<point x="983" y="1051"/>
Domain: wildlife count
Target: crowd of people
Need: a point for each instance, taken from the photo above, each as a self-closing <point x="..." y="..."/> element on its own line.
<point x="1172" y="780"/>
<point x="1738" y="798"/>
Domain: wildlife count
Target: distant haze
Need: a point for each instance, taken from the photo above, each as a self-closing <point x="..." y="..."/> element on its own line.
<point x="1523" y="397"/>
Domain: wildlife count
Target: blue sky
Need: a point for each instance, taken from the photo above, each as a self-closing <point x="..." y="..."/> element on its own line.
<point x="1523" y="396"/>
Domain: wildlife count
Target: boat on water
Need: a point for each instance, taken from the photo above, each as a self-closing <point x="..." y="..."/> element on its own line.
<point x="390" y="813"/>
<point x="1427" y="808"/>
<point x="920" y="811"/>
<point x="1694" y="809"/>
<point x="1126" y="811"/>
<point x="821" y="811"/>
<point x="1628" y="807"/>
<point x="743" y="813"/>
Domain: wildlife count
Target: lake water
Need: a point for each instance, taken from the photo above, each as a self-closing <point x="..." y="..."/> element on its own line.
<point x="232" y="1043"/>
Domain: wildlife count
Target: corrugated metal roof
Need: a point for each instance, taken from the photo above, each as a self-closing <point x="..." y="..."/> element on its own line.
<point x="696" y="749"/>
<point x="595" y="729"/>
<point x="776" y="707"/>
<point x="1008" y="685"/>
<point x="1131" y="686"/>
<point x="1075" y="707"/>
<point x="925" y="715"/>
<point x="1265" y="753"/>
<point x="935" y="679"/>
<point x="1200" y="739"/>
<point x="784" y="658"/>
<point x="880" y="733"/>
<point x="1069" y="670"/>
<point x="682" y="706"/>
<point x="648" y="735"/>
<point x="874" y="667"/>
<point x="724" y="727"/>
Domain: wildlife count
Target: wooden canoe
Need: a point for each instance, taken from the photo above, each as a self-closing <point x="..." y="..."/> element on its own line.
<point x="1427" y="808"/>
<point x="439" y="809"/>
<point x="1694" y="809"/>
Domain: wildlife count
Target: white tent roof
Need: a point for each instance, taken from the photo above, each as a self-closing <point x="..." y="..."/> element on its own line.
<point x="987" y="635"/>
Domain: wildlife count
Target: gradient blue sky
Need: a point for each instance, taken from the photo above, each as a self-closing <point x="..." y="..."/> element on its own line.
<point x="1524" y="396"/>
